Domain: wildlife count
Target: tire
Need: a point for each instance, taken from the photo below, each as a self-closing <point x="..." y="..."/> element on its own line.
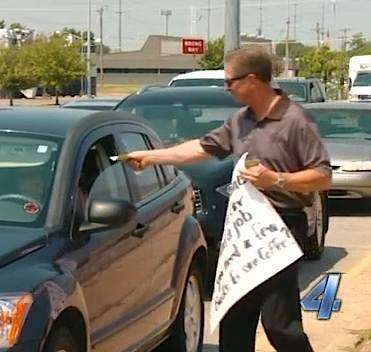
<point x="61" y="340"/>
<point x="314" y="244"/>
<point x="188" y="328"/>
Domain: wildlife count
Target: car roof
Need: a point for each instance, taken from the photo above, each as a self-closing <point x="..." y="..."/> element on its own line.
<point x="339" y="104"/>
<point x="55" y="122"/>
<point x="93" y="101"/>
<point x="185" y="94"/>
<point x="218" y="74"/>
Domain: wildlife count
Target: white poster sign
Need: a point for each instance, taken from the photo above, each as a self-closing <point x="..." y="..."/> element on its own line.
<point x="256" y="245"/>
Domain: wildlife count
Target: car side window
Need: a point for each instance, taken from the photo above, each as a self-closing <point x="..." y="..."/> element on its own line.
<point x="147" y="179"/>
<point x="102" y="175"/>
<point x="315" y="92"/>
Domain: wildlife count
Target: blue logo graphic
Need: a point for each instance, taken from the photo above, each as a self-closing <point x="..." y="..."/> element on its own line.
<point x="322" y="298"/>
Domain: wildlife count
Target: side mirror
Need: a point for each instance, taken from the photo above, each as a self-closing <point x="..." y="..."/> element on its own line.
<point x="111" y="211"/>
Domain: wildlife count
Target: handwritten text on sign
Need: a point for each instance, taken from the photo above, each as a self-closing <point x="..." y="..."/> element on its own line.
<point x="256" y="245"/>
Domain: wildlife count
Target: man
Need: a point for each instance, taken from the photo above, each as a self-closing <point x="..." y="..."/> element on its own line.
<point x="293" y="164"/>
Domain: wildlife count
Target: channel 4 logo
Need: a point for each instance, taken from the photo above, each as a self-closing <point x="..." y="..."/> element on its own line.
<point x="322" y="298"/>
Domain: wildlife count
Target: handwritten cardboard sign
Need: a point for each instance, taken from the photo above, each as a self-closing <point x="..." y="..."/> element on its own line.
<point x="256" y="245"/>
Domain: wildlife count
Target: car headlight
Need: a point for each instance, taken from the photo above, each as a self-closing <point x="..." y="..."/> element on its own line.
<point x="356" y="166"/>
<point x="13" y="312"/>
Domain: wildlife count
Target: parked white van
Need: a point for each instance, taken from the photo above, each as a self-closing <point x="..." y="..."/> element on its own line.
<point x="360" y="78"/>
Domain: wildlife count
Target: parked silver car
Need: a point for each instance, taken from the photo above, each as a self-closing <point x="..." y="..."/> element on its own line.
<point x="345" y="128"/>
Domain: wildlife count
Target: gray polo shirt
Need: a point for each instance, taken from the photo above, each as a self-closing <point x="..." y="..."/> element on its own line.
<point x="286" y="141"/>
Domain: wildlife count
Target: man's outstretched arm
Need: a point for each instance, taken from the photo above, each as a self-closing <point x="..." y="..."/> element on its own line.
<point x="185" y="153"/>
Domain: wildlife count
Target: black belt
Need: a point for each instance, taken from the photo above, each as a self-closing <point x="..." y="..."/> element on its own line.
<point x="290" y="211"/>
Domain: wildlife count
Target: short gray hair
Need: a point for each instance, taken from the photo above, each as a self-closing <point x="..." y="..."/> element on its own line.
<point x="253" y="59"/>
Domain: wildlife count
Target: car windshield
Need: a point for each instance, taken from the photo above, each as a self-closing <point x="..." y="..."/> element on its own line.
<point x="295" y="90"/>
<point x="343" y="123"/>
<point x="181" y="118"/>
<point x="363" y="79"/>
<point x="197" y="82"/>
<point x="26" y="174"/>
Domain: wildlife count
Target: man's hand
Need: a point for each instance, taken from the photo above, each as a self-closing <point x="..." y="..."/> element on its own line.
<point x="139" y="160"/>
<point x="259" y="175"/>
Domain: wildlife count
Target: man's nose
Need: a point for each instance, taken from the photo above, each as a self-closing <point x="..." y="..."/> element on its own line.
<point x="227" y="87"/>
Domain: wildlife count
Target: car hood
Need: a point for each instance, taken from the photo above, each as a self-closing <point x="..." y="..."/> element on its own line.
<point x="210" y="173"/>
<point x="17" y="242"/>
<point x="345" y="150"/>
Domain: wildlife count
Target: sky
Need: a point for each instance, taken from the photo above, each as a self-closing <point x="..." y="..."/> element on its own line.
<point x="142" y="18"/>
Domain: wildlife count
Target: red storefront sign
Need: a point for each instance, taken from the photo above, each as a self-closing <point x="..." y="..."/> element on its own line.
<point x="193" y="46"/>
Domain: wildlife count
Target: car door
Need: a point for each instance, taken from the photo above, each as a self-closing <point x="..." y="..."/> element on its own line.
<point x="114" y="269"/>
<point x="159" y="201"/>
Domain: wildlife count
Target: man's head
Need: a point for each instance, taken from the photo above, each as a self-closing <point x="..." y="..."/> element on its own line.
<point x="247" y="71"/>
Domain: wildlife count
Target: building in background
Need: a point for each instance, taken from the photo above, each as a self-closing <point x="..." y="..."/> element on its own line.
<point x="247" y="40"/>
<point x="156" y="62"/>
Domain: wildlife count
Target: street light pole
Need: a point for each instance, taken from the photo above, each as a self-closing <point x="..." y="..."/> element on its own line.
<point x="232" y="25"/>
<point x="166" y="13"/>
<point x="88" y="53"/>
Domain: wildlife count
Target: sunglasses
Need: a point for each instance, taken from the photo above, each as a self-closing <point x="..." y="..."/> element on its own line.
<point x="229" y="81"/>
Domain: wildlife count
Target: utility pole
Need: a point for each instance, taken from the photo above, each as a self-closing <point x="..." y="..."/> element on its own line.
<point x="295" y="8"/>
<point x="318" y="30"/>
<point x="323" y="23"/>
<point x="208" y="20"/>
<point x="166" y="13"/>
<point x="335" y="24"/>
<point x="88" y="52"/>
<point x="287" y="40"/>
<point x="260" y="29"/>
<point x="344" y="39"/>
<point x="232" y="25"/>
<point x="120" y="12"/>
<point x="100" y="13"/>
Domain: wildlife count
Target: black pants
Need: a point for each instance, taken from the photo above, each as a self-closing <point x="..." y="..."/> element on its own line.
<point x="278" y="302"/>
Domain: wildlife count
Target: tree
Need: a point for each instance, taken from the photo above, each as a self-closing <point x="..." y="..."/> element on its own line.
<point x="214" y="56"/>
<point x="16" y="73"/>
<point x="56" y="63"/>
<point x="16" y="25"/>
<point x="296" y="49"/>
<point x="318" y="63"/>
<point x="359" y="46"/>
<point x="2" y="24"/>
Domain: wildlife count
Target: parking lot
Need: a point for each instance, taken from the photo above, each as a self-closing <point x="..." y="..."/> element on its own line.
<point x="348" y="251"/>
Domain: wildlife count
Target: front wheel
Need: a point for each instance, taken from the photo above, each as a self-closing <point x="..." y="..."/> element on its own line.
<point x="187" y="331"/>
<point x="61" y="340"/>
<point x="314" y="244"/>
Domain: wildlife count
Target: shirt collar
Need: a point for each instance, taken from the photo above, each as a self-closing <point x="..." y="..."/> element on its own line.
<point x="279" y="108"/>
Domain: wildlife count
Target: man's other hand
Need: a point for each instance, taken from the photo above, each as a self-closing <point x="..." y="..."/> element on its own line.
<point x="259" y="175"/>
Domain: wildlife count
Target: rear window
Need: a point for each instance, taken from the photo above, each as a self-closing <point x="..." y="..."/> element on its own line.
<point x="343" y="123"/>
<point x="27" y="168"/>
<point x="295" y="90"/>
<point x="182" y="118"/>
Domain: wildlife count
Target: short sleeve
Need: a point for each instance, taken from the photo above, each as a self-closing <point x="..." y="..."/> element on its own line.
<point x="218" y="142"/>
<point x="311" y="151"/>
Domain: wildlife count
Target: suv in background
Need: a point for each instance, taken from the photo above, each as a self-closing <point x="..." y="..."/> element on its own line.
<point x="182" y="113"/>
<point x="303" y="90"/>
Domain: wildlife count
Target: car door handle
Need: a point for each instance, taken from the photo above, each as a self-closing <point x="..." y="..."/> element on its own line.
<point x="177" y="207"/>
<point x="140" y="230"/>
